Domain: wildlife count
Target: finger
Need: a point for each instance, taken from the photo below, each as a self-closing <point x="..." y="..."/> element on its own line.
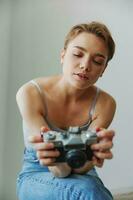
<point x="35" y="138"/>
<point x="48" y="154"/>
<point x="103" y="155"/>
<point x="44" y="129"/>
<point x="102" y="146"/>
<point x="44" y="146"/>
<point x="38" y="138"/>
<point x="99" y="129"/>
<point x="106" y="134"/>
<point x="47" y="161"/>
<point x="97" y="162"/>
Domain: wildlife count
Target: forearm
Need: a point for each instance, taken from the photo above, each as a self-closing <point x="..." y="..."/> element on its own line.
<point x="60" y="170"/>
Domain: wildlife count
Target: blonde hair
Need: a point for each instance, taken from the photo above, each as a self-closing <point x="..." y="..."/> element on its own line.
<point x="96" y="28"/>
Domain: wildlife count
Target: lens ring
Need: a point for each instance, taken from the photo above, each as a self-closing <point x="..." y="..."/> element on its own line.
<point x="76" y="158"/>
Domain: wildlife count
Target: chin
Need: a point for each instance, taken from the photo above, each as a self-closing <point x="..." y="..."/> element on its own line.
<point x="82" y="86"/>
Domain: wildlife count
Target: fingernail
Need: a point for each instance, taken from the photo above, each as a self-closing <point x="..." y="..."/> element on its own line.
<point x="98" y="129"/>
<point x="45" y="129"/>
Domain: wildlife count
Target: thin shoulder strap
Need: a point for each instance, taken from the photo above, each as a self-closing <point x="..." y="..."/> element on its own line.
<point x="39" y="89"/>
<point x="37" y="86"/>
<point x="93" y="105"/>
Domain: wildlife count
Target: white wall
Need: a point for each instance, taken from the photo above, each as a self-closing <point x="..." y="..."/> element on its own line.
<point x="37" y="31"/>
<point x="4" y="64"/>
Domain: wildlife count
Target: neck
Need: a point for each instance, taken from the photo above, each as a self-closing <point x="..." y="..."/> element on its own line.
<point x="70" y="92"/>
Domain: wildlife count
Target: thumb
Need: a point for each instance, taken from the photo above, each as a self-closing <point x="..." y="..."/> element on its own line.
<point x="35" y="138"/>
<point x="44" y="129"/>
<point x="39" y="137"/>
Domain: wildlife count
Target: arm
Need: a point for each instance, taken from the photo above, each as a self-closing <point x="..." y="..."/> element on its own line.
<point x="102" y="118"/>
<point x="32" y="110"/>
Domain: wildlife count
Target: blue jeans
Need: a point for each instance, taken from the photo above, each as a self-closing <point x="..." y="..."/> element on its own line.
<point x="35" y="182"/>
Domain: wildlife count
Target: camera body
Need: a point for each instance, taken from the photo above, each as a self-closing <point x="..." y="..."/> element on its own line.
<point x="73" y="145"/>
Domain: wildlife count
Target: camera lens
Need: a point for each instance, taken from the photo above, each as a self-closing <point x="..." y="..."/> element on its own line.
<point x="76" y="158"/>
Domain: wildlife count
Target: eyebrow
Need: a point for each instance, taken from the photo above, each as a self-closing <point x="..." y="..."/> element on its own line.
<point x="83" y="49"/>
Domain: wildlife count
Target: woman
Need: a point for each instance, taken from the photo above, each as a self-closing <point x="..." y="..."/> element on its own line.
<point x="63" y="101"/>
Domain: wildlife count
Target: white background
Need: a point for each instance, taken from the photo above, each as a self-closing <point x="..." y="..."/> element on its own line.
<point x="31" y="37"/>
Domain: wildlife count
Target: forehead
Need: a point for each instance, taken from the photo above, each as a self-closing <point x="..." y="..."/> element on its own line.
<point x="89" y="42"/>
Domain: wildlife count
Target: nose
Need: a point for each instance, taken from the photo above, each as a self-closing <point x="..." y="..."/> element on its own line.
<point x="86" y="65"/>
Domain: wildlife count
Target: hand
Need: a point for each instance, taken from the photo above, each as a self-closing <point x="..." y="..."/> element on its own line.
<point x="46" y="152"/>
<point x="102" y="149"/>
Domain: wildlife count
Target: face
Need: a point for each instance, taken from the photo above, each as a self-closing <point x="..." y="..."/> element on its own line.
<point x="84" y="60"/>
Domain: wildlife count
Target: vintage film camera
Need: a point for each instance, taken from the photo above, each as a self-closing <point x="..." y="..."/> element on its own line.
<point x="73" y="145"/>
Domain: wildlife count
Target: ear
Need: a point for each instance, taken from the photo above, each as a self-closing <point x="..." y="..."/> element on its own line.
<point x="62" y="54"/>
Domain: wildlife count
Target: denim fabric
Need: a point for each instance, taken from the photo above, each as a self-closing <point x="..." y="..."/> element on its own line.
<point x="35" y="182"/>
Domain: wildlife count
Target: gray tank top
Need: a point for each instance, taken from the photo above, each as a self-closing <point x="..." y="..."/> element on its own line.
<point x="52" y="126"/>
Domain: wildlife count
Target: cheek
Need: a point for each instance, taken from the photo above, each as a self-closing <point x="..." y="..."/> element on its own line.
<point x="97" y="73"/>
<point x="100" y="70"/>
<point x="68" y="63"/>
<point x="66" y="68"/>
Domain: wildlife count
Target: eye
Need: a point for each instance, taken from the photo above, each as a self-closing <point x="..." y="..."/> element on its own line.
<point x="97" y="62"/>
<point x="77" y="55"/>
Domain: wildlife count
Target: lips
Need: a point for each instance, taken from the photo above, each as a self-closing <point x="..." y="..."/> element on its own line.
<point x="82" y="76"/>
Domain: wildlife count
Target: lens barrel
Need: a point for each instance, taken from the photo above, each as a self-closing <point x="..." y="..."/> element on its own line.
<point x="76" y="158"/>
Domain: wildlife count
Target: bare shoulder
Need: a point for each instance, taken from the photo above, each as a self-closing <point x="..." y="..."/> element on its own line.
<point x="107" y="100"/>
<point x="29" y="98"/>
<point x="29" y="89"/>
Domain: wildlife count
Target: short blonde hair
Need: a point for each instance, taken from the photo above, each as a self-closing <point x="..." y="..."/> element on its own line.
<point x="96" y="28"/>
